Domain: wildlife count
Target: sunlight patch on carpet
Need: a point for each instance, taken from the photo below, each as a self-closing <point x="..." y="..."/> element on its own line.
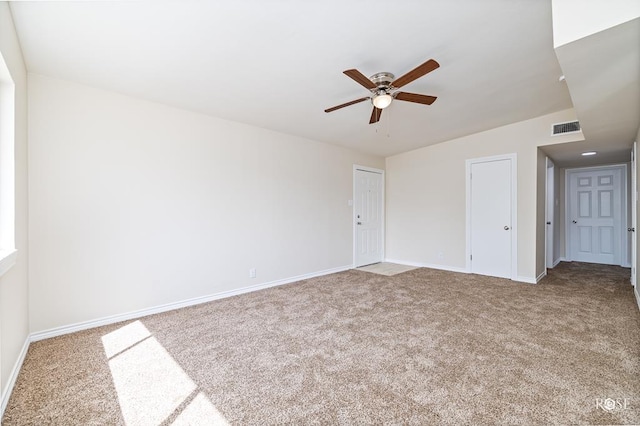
<point x="124" y="337"/>
<point x="200" y="412"/>
<point x="151" y="385"/>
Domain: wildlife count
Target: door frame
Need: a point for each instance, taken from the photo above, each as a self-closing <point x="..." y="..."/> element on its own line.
<point x="624" y="220"/>
<point x="514" y="208"/>
<point x="549" y="214"/>
<point x="357" y="167"/>
<point x="634" y="212"/>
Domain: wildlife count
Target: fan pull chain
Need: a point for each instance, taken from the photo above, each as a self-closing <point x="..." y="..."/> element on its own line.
<point x="388" y="123"/>
<point x="389" y="114"/>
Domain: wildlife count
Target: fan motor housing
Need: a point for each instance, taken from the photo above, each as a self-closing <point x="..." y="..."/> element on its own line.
<point x="382" y="79"/>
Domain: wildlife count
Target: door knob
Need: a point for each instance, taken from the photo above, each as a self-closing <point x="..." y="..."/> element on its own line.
<point x="631" y="229"/>
<point x="506" y="228"/>
<point x="574" y="221"/>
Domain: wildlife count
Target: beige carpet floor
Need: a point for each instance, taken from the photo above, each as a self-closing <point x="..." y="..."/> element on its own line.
<point x="417" y="348"/>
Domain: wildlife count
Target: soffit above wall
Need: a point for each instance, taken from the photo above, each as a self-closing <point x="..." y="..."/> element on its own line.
<point x="603" y="75"/>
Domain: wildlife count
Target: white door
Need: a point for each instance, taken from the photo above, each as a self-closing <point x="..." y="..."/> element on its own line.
<point x="490" y="218"/>
<point x="368" y="208"/>
<point x="634" y="212"/>
<point x="550" y="213"/>
<point x="595" y="215"/>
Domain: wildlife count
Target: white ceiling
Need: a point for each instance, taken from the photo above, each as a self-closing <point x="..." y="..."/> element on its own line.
<point x="278" y="64"/>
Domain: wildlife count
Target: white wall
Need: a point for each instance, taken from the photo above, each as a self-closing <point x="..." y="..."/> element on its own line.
<point x="14" y="320"/>
<point x="135" y="204"/>
<point x="576" y="19"/>
<point x="426" y="193"/>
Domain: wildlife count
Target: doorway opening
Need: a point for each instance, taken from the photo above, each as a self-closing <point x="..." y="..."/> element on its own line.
<point x="596" y="215"/>
<point x="551" y="253"/>
<point x="491" y="216"/>
<point x="368" y="216"/>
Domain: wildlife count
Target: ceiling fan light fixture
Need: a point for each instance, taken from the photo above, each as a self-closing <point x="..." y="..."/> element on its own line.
<point x="382" y="101"/>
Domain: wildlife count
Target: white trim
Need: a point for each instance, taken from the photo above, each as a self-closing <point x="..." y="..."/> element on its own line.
<point x="514" y="208"/>
<point x="13" y="376"/>
<point x="7" y="161"/>
<point x="527" y="280"/>
<point x="353" y="210"/>
<point x="541" y="276"/>
<point x="72" y="328"/>
<point x="549" y="222"/>
<point x="625" y="222"/>
<point x="634" y="212"/>
<point x="367" y="169"/>
<point x="557" y="261"/>
<point x="428" y="265"/>
<point x="7" y="260"/>
<point x="624" y="219"/>
<point x="635" y="291"/>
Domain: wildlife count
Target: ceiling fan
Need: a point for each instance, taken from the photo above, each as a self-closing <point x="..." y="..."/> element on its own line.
<point x="384" y="89"/>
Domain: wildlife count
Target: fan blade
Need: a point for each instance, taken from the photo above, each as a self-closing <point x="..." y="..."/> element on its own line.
<point x="415" y="73"/>
<point x="375" y="115"/>
<point x="360" y="78"/>
<point x="346" y="104"/>
<point x="415" y="97"/>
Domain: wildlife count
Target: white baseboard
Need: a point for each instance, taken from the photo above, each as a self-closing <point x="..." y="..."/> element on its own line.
<point x="527" y="280"/>
<point x="541" y="276"/>
<point x="557" y="261"/>
<point x="72" y="328"/>
<point x="428" y="265"/>
<point x="13" y="376"/>
<point x="635" y="291"/>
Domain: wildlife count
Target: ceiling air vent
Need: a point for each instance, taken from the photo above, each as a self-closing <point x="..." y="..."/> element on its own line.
<point x="563" y="128"/>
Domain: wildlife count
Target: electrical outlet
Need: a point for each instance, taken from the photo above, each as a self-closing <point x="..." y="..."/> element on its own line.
<point x="252" y="273"/>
